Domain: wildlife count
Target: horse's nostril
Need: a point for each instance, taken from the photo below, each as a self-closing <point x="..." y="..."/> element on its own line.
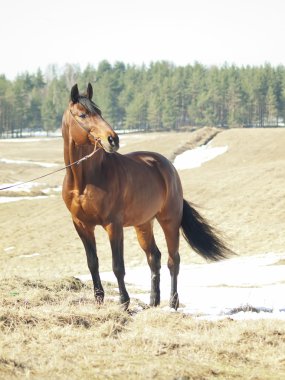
<point x="111" y="141"/>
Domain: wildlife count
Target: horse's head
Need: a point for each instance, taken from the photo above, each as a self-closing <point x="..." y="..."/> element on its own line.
<point x="86" y="124"/>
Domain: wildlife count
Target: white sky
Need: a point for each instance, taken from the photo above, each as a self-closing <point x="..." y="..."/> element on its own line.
<point x="36" y="33"/>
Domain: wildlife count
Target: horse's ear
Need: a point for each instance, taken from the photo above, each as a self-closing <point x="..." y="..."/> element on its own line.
<point x="74" y="94"/>
<point x="89" y="91"/>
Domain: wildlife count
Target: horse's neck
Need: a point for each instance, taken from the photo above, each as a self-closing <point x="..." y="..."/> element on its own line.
<point x="78" y="173"/>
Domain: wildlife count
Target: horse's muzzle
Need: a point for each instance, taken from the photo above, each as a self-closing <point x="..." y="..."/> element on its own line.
<point x="110" y="144"/>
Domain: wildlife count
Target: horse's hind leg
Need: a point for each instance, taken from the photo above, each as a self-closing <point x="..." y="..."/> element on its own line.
<point x="88" y="239"/>
<point x="147" y="242"/>
<point x="171" y="232"/>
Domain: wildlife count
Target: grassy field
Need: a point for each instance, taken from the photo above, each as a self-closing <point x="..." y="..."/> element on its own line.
<point x="51" y="329"/>
<point x="49" y="324"/>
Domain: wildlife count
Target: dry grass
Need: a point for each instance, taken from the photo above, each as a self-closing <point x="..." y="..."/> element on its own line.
<point x="49" y="324"/>
<point x="54" y="330"/>
<point x="242" y="191"/>
<point x="48" y="229"/>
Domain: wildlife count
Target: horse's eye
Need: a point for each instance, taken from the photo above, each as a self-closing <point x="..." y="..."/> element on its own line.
<point x="83" y="115"/>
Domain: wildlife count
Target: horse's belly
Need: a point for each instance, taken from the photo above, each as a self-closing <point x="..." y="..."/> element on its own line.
<point x="141" y="211"/>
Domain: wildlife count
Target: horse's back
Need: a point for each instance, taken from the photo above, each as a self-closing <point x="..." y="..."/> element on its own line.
<point x="152" y="159"/>
<point x="158" y="166"/>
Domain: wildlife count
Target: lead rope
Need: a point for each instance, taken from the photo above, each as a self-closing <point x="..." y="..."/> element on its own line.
<point x="97" y="141"/>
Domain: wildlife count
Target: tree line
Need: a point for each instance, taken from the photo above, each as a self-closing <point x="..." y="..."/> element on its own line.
<point x="160" y="96"/>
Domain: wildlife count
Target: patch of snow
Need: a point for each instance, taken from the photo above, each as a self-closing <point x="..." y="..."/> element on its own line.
<point x="9" y="249"/>
<point x="228" y="289"/>
<point x="134" y="133"/>
<point x="32" y="255"/>
<point x="27" y="162"/>
<point x="40" y="136"/>
<point x="52" y="189"/>
<point x="26" y="187"/>
<point x="16" y="199"/>
<point x="194" y="158"/>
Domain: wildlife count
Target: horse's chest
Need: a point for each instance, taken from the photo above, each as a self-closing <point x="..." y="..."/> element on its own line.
<point x="91" y="206"/>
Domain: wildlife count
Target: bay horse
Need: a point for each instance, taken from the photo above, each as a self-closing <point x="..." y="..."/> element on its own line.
<point x="115" y="191"/>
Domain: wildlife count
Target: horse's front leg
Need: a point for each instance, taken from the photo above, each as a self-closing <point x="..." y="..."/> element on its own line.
<point x="116" y="236"/>
<point x="88" y="239"/>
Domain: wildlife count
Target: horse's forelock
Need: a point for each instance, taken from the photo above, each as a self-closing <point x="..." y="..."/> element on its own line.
<point x="89" y="105"/>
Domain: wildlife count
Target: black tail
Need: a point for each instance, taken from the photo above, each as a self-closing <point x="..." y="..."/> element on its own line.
<point x="202" y="237"/>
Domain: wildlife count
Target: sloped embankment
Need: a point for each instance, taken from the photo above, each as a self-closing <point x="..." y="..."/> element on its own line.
<point x="242" y="191"/>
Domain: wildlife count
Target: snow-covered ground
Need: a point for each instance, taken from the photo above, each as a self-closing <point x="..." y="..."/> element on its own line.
<point x="28" y="162"/>
<point x="38" y="136"/>
<point x="27" y="188"/>
<point x="16" y="199"/>
<point x="239" y="288"/>
<point x="194" y="158"/>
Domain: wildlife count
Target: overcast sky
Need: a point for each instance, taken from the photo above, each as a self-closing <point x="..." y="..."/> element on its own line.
<point x="36" y="33"/>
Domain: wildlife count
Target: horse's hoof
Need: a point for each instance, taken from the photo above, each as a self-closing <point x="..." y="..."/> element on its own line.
<point x="99" y="300"/>
<point x="125" y="305"/>
<point x="174" y="302"/>
<point x="125" y="301"/>
<point x="99" y="296"/>
<point x="154" y="300"/>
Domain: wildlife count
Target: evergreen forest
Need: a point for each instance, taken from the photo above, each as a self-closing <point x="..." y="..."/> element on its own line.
<point x="160" y="96"/>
